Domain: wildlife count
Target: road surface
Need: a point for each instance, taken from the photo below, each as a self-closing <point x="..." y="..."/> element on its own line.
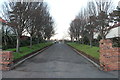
<point x="58" y="61"/>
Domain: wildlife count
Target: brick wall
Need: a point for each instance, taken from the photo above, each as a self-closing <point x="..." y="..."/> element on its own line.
<point x="6" y="59"/>
<point x="109" y="56"/>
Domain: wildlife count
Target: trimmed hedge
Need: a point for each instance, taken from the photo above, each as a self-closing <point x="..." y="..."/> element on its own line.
<point x="27" y="50"/>
<point x="92" y="51"/>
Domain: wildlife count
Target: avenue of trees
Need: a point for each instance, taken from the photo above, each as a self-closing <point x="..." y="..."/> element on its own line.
<point x="97" y="18"/>
<point x="31" y="17"/>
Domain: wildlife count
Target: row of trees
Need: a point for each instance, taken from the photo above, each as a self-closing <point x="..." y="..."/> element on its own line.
<point x="31" y="17"/>
<point x="98" y="17"/>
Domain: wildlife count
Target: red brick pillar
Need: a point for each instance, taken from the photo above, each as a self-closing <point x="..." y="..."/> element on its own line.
<point x="109" y="56"/>
<point x="6" y="60"/>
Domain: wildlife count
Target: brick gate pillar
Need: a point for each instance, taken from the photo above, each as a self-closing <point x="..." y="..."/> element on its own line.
<point x="6" y="59"/>
<point x="109" y="56"/>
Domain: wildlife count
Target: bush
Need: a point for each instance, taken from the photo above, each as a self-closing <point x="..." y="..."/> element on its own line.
<point x="116" y="41"/>
<point x="92" y="51"/>
<point x="24" y="43"/>
<point x="11" y="42"/>
<point x="27" y="50"/>
<point x="95" y="42"/>
<point x="86" y="40"/>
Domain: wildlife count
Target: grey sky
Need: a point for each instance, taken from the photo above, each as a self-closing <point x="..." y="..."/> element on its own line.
<point x="64" y="11"/>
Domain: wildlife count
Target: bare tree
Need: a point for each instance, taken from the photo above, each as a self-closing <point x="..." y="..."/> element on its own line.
<point x="71" y="31"/>
<point x="82" y="22"/>
<point x="17" y="18"/>
<point x="31" y="12"/>
<point x="7" y="30"/>
<point x="103" y="20"/>
<point x="115" y="16"/>
<point x="89" y="30"/>
<point x="91" y="14"/>
<point x="77" y="27"/>
<point x="100" y="11"/>
<point x="49" y="30"/>
<point x="104" y="5"/>
<point x="93" y="19"/>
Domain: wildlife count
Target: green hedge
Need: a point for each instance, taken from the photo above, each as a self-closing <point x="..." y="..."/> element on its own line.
<point x="92" y="51"/>
<point x="27" y="50"/>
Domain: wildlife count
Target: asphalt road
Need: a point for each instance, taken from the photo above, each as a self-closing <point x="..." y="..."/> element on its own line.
<point x="58" y="61"/>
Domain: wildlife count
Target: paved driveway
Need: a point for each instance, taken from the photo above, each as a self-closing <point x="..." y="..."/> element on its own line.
<point x="58" y="61"/>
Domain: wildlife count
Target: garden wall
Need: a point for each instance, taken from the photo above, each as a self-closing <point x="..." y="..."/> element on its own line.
<point x="109" y="56"/>
<point x="6" y="59"/>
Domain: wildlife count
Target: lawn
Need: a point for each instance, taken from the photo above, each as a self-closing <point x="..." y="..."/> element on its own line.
<point x="87" y="49"/>
<point x="27" y="50"/>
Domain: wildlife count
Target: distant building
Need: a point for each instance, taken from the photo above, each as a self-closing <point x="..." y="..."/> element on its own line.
<point x="114" y="33"/>
<point x="5" y="24"/>
<point x="2" y="22"/>
<point x="24" y="37"/>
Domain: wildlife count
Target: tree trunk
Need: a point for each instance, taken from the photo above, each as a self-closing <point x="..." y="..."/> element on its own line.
<point x="90" y="43"/>
<point x="18" y="44"/>
<point x="103" y="37"/>
<point x="38" y="40"/>
<point x="71" y="39"/>
<point x="5" y="42"/>
<point x="82" y="40"/>
<point x="30" y="41"/>
<point x="79" y="40"/>
<point x="18" y="41"/>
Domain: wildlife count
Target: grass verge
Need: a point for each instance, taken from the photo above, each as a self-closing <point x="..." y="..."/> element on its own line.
<point x="27" y="50"/>
<point x="92" y="51"/>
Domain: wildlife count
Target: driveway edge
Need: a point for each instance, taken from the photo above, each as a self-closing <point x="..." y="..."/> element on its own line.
<point x="23" y="60"/>
<point x="94" y="63"/>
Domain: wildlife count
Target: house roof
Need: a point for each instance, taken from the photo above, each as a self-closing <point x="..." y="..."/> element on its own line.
<point x="3" y="21"/>
<point x="7" y="23"/>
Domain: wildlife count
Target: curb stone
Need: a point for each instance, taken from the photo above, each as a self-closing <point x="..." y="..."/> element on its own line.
<point x="95" y="64"/>
<point x="23" y="60"/>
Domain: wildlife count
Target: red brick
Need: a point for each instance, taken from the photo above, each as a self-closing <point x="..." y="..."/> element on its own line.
<point x="7" y="58"/>
<point x="109" y="56"/>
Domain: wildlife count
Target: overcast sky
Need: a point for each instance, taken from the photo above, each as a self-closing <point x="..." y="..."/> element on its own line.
<point x="64" y="11"/>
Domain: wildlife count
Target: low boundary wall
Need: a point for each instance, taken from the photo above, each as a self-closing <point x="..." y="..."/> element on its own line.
<point x="109" y="56"/>
<point x="6" y="59"/>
